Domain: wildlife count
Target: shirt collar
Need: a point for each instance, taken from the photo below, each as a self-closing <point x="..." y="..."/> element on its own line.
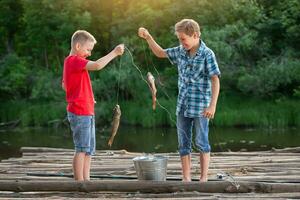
<point x="199" y="51"/>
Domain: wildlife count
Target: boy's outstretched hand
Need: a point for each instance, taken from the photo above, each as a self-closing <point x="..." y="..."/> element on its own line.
<point x="143" y="33"/>
<point x="119" y="50"/>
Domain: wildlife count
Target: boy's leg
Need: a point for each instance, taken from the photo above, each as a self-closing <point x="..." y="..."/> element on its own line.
<point x="92" y="149"/>
<point x="204" y="165"/>
<point x="186" y="167"/>
<point x="81" y="128"/>
<point x="202" y="144"/>
<point x="184" y="132"/>
<point x="78" y="165"/>
<point x="87" y="167"/>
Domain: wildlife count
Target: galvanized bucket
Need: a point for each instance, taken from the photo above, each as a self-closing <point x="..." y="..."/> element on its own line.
<point x="151" y="167"/>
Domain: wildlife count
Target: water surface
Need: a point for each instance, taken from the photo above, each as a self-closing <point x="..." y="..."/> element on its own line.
<point x="148" y="140"/>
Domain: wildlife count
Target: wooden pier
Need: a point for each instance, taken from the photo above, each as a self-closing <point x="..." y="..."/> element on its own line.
<point x="46" y="173"/>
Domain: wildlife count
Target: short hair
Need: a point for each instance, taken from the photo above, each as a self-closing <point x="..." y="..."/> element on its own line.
<point x="82" y="36"/>
<point x="187" y="26"/>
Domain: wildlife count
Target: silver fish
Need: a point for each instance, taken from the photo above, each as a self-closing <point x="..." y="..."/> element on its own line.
<point x="115" y="124"/>
<point x="151" y="83"/>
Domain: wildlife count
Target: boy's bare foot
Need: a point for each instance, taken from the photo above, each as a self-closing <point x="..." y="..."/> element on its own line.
<point x="202" y="180"/>
<point x="186" y="179"/>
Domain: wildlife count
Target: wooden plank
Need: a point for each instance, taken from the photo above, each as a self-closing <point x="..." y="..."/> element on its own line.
<point x="147" y="186"/>
<point x="257" y="169"/>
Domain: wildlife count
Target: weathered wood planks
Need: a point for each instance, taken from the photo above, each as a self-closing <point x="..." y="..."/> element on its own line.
<point x="276" y="172"/>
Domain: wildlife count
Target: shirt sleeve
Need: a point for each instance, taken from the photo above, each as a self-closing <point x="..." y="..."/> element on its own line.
<point x="212" y="65"/>
<point x="79" y="63"/>
<point x="173" y="54"/>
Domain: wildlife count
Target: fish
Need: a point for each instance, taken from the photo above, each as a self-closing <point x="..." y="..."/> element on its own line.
<point x="115" y="124"/>
<point x="151" y="83"/>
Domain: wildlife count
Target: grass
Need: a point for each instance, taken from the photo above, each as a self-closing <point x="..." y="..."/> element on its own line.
<point x="32" y="114"/>
<point x="232" y="111"/>
<point x="240" y="111"/>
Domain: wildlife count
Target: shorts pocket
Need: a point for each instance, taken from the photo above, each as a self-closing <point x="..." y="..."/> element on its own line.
<point x="84" y="121"/>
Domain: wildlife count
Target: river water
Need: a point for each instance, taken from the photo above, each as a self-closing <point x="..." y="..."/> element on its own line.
<point x="148" y="140"/>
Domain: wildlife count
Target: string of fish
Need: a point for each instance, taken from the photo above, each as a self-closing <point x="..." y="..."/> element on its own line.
<point x="222" y="174"/>
<point x="142" y="77"/>
<point x="158" y="74"/>
<point x="116" y="112"/>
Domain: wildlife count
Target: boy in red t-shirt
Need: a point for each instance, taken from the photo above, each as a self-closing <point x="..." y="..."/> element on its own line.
<point x="80" y="98"/>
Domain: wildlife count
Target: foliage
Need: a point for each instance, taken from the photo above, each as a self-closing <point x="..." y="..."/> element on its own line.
<point x="48" y="26"/>
<point x="10" y="23"/>
<point x="47" y="86"/>
<point x="297" y="92"/>
<point x="255" y="42"/>
<point x="272" y="78"/>
<point x="14" y="77"/>
<point x="232" y="110"/>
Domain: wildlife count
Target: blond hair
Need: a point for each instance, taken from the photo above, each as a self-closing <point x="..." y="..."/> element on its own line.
<point x="188" y="27"/>
<point x="82" y="36"/>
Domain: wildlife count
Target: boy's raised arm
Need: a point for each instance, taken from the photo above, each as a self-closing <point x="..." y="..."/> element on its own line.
<point x="102" y="62"/>
<point x="156" y="49"/>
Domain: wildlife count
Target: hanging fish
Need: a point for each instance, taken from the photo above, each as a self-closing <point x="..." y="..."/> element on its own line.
<point x="151" y="83"/>
<point x="115" y="124"/>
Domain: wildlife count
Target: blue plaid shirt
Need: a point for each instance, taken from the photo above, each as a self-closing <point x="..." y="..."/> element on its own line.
<point x="194" y="81"/>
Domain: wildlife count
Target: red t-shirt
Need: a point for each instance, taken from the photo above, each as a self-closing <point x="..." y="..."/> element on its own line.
<point x="79" y="92"/>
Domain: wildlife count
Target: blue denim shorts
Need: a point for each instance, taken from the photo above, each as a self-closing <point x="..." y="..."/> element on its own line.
<point x="83" y="129"/>
<point x="185" y="127"/>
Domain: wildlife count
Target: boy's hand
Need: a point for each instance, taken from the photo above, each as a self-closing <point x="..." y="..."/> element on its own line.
<point x="209" y="112"/>
<point x="143" y="33"/>
<point x="119" y="50"/>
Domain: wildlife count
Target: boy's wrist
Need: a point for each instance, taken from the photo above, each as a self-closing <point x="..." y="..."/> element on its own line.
<point x="212" y="105"/>
<point x="114" y="52"/>
<point x="149" y="37"/>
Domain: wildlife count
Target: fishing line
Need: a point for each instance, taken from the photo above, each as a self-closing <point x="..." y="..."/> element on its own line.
<point x="144" y="49"/>
<point x="133" y="63"/>
<point x="149" y="86"/>
<point x="150" y="60"/>
<point x="158" y="74"/>
<point x="120" y="63"/>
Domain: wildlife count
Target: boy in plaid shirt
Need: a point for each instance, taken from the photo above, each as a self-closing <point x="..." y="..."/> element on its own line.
<point x="198" y="84"/>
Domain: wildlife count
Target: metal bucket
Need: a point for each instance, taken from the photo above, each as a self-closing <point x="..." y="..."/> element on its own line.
<point x="151" y="167"/>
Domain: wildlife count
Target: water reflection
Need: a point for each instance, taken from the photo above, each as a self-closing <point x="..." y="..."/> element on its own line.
<point x="149" y="140"/>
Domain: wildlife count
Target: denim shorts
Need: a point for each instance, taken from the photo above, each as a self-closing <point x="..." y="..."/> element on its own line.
<point x="185" y="127"/>
<point x="83" y="129"/>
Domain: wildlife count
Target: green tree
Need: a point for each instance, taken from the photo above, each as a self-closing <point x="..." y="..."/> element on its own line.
<point x="14" y="77"/>
<point x="49" y="26"/>
<point x="10" y="24"/>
